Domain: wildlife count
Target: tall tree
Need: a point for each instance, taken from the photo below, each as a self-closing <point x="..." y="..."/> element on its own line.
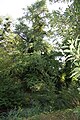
<point x="39" y="60"/>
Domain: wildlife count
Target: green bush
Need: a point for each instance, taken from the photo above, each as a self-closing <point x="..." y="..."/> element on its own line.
<point x="20" y="113"/>
<point x="67" y="98"/>
<point x="15" y="115"/>
<point x="28" y="114"/>
<point x="77" y="112"/>
<point x="11" y="94"/>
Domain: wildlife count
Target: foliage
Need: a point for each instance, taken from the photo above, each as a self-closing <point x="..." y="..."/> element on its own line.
<point x="67" y="98"/>
<point x="58" y="115"/>
<point x="22" y="114"/>
<point x="67" y="29"/>
<point x="29" y="67"/>
<point x="11" y="94"/>
<point x="33" y="74"/>
<point x="38" y="65"/>
<point x="74" y="56"/>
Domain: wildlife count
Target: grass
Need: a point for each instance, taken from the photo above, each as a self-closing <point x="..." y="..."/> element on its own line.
<point x="58" y="115"/>
<point x="68" y="114"/>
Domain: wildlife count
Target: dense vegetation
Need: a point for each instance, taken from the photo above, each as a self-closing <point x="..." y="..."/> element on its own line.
<point x="40" y="62"/>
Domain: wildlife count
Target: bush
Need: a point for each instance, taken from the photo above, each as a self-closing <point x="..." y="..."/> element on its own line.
<point x="11" y="95"/>
<point x="67" y="98"/>
<point x="15" y="115"/>
<point x="20" y="113"/>
<point x="77" y="112"/>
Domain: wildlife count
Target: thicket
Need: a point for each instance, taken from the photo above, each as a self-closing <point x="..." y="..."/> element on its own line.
<point x="35" y="74"/>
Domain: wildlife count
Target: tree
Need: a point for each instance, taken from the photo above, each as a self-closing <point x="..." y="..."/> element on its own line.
<point x="38" y="66"/>
<point x="67" y="28"/>
<point x="10" y="93"/>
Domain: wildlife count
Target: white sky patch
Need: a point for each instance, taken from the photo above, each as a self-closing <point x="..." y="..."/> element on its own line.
<point x="13" y="8"/>
<point x="57" y="6"/>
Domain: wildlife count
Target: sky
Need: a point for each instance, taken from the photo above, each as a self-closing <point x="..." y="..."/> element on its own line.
<point x="13" y="8"/>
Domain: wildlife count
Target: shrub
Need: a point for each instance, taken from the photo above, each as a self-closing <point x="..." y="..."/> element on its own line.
<point x="67" y="98"/>
<point x="11" y="94"/>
